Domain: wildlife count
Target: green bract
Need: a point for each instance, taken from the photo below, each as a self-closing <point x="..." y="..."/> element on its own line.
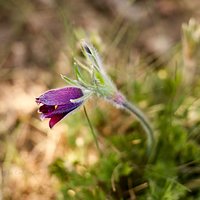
<point x="99" y="83"/>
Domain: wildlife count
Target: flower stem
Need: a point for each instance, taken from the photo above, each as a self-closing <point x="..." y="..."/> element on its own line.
<point x="92" y="130"/>
<point x="144" y="122"/>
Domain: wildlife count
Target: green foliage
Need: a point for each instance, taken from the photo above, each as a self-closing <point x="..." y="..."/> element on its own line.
<point x="168" y="189"/>
<point x="95" y="182"/>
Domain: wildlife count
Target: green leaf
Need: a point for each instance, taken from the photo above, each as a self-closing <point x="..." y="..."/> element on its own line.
<point x="68" y="80"/>
<point x="79" y="75"/>
<point x="82" y="65"/>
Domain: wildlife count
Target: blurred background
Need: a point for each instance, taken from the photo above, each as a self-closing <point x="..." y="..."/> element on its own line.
<point x="151" y="49"/>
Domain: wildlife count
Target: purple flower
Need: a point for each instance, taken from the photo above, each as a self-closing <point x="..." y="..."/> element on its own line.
<point x="57" y="103"/>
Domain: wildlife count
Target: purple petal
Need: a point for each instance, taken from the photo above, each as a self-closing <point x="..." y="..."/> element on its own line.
<point x="57" y="116"/>
<point x="55" y="119"/>
<point x="62" y="109"/>
<point x="60" y="96"/>
<point x="46" y="109"/>
<point x="58" y="113"/>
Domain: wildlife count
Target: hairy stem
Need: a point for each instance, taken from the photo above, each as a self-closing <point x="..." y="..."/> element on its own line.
<point x="144" y="122"/>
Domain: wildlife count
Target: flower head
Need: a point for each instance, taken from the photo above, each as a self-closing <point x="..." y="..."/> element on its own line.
<point x="57" y="103"/>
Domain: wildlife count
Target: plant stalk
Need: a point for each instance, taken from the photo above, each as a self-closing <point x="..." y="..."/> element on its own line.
<point x="144" y="122"/>
<point x="92" y="130"/>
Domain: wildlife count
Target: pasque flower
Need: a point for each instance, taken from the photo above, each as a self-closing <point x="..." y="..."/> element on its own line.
<point x="56" y="104"/>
